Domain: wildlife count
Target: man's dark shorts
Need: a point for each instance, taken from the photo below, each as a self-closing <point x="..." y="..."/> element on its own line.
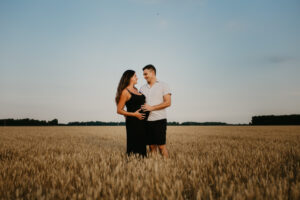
<point x="156" y="132"/>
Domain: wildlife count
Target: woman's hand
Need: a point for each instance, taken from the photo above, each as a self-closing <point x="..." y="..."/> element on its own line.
<point x="139" y="115"/>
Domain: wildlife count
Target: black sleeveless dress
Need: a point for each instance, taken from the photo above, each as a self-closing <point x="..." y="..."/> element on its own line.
<point x="135" y="128"/>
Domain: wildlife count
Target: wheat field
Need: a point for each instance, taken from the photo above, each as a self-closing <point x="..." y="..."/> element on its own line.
<point x="206" y="162"/>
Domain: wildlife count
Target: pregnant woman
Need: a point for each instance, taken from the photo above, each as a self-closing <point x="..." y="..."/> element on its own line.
<point x="128" y="95"/>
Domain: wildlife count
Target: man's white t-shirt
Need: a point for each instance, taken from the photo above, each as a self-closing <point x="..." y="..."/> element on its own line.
<point x="154" y="96"/>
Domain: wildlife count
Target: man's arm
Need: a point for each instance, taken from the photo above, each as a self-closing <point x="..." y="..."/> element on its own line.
<point x="166" y="103"/>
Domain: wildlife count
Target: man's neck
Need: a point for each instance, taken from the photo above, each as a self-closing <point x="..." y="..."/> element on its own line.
<point x="152" y="82"/>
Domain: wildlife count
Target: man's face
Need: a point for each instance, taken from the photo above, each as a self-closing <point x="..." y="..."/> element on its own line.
<point x="148" y="74"/>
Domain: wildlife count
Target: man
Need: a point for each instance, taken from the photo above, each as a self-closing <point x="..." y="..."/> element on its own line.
<point x="158" y="98"/>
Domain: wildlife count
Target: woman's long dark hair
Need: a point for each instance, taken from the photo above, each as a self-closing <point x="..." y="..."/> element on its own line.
<point x="124" y="82"/>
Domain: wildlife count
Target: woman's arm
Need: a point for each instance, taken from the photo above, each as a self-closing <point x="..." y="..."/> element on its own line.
<point x="120" y="107"/>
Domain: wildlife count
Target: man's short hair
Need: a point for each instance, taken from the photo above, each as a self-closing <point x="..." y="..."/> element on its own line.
<point x="150" y="67"/>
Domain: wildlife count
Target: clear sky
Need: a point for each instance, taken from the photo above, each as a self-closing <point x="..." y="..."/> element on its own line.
<point x="223" y="60"/>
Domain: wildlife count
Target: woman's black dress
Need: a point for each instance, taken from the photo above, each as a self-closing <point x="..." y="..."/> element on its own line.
<point x="135" y="128"/>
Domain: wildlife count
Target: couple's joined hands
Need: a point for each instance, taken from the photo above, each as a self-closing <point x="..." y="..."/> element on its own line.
<point x="144" y="107"/>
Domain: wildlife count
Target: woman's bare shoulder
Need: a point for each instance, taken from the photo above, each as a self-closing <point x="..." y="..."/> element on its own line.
<point x="125" y="92"/>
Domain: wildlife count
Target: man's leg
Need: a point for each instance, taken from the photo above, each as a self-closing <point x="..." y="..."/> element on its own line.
<point x="162" y="138"/>
<point x="153" y="148"/>
<point x="163" y="150"/>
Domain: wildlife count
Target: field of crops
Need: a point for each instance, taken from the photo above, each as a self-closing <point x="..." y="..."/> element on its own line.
<point x="216" y="162"/>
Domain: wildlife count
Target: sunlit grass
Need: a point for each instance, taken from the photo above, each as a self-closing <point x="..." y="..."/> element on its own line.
<point x="236" y="162"/>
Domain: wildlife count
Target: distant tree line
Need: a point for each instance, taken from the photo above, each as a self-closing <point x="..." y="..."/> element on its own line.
<point x="27" y="122"/>
<point x="96" y="123"/>
<point x="276" y="120"/>
<point x="173" y="123"/>
<point x="33" y="122"/>
<point x="203" y="123"/>
<point x="256" y="120"/>
<point x="54" y="122"/>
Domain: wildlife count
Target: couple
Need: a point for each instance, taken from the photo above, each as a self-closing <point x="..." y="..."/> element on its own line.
<point x="146" y="119"/>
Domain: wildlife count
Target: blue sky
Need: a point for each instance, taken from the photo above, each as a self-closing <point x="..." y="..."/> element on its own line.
<point x="224" y="60"/>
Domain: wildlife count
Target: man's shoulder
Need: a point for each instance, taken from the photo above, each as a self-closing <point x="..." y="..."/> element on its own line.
<point x="162" y="83"/>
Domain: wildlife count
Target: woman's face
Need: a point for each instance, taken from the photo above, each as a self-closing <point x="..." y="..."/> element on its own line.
<point x="134" y="79"/>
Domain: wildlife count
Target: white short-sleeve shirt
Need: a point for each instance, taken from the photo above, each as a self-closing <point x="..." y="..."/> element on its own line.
<point x="154" y="96"/>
